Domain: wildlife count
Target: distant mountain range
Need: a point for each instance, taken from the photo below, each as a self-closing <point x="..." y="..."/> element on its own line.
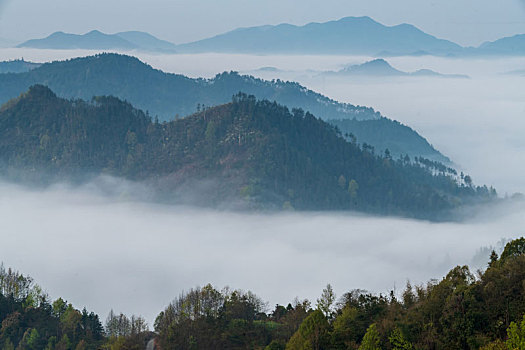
<point x="347" y="36"/>
<point x="247" y="153"/>
<point x="96" y="40"/>
<point x="381" y="68"/>
<point x="514" y="45"/>
<point x="350" y="35"/>
<point x="167" y="95"/>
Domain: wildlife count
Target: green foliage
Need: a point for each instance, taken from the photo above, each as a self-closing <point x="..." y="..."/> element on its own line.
<point x="516" y="335"/>
<point x="327" y="300"/>
<point x="371" y="340"/>
<point x="398" y="341"/>
<point x="513" y="249"/>
<point x="456" y="312"/>
<point x="312" y="334"/>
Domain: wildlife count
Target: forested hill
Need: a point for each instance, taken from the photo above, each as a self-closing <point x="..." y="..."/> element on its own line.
<point x="168" y="95"/>
<point x="252" y="153"/>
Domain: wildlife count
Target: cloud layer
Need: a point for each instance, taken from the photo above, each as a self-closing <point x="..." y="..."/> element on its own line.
<point x="102" y="252"/>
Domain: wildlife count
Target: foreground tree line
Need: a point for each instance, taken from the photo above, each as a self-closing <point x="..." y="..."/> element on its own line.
<point x="462" y="311"/>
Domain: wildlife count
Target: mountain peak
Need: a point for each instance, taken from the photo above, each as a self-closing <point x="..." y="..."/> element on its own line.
<point x="95" y="32"/>
<point x="39" y="91"/>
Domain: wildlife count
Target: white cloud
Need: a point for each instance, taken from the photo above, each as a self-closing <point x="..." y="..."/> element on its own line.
<point x="102" y="253"/>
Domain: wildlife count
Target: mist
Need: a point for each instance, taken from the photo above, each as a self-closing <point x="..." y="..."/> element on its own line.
<point x="98" y="250"/>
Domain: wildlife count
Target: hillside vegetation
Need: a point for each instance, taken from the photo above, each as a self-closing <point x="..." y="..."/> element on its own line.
<point x="253" y="153"/>
<point x="171" y="96"/>
<point x="460" y="311"/>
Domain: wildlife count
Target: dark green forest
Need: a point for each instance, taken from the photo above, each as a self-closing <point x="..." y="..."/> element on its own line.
<point x="463" y="310"/>
<point x="255" y="154"/>
<point x="169" y="96"/>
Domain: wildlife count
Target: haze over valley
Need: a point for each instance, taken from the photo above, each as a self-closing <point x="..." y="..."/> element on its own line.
<point x="291" y="178"/>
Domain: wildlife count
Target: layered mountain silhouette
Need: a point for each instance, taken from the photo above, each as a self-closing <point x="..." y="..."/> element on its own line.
<point x="514" y="45"/>
<point x="167" y="95"/>
<point x="347" y="36"/>
<point x="96" y="40"/>
<point x="350" y="35"/>
<point x="381" y="68"/>
<point x="251" y="153"/>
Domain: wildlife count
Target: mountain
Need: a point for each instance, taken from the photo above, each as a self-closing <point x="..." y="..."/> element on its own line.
<point x="17" y="66"/>
<point x="96" y="40"/>
<point x="251" y="152"/>
<point x="93" y="40"/>
<point x="381" y="68"/>
<point x="377" y="67"/>
<point x="514" y="45"/>
<point x="378" y="133"/>
<point x="147" y="42"/>
<point x="167" y="95"/>
<point x="350" y="35"/>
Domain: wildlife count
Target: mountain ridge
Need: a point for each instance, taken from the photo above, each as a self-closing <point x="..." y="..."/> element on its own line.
<point x="96" y="40"/>
<point x="349" y="35"/>
<point x="252" y="152"/>
<point x="166" y="94"/>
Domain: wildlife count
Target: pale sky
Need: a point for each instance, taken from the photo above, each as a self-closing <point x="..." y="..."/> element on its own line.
<point x="467" y="22"/>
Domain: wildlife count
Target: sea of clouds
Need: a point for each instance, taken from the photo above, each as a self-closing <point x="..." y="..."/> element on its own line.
<point x="104" y="251"/>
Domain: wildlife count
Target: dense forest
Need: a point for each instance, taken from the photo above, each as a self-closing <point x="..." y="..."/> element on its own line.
<point x="256" y="154"/>
<point x="463" y="310"/>
<point x="170" y="95"/>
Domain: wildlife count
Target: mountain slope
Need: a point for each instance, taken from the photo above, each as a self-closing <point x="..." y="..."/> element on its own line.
<point x="378" y="133"/>
<point x="252" y="152"/>
<point x="147" y="42"/>
<point x="377" y="67"/>
<point x="17" y="66"/>
<point x="167" y="95"/>
<point x="350" y="35"/>
<point x="381" y="68"/>
<point x="514" y="45"/>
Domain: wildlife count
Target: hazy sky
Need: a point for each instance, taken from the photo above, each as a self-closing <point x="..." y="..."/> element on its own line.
<point x="468" y="22"/>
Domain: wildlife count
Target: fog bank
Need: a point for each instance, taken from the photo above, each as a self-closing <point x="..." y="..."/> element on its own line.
<point x="104" y="252"/>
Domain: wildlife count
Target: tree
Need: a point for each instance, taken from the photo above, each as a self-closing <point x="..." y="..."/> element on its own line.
<point x="342" y="182"/>
<point x="514" y="248"/>
<point x="326" y="301"/>
<point x="312" y="334"/>
<point x="516" y="335"/>
<point x="398" y="341"/>
<point x="353" y="187"/>
<point x="371" y="340"/>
